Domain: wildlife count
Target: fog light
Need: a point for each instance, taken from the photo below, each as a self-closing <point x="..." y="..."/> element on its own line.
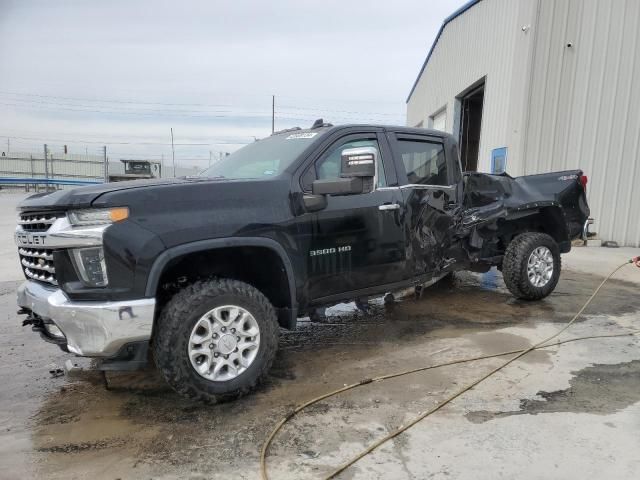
<point x="53" y="330"/>
<point x="91" y="266"/>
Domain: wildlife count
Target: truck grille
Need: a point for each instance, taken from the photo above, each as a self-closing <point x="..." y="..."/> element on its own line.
<point x="38" y="222"/>
<point x="38" y="264"/>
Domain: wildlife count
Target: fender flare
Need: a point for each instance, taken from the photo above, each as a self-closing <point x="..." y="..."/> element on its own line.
<point x="165" y="257"/>
<point x="553" y="209"/>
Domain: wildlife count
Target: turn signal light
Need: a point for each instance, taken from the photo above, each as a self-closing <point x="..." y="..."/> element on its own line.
<point x="122" y="213"/>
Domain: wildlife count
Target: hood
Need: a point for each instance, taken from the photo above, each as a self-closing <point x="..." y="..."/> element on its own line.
<point x="83" y="197"/>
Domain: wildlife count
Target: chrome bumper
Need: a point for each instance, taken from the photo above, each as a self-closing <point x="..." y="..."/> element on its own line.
<point x="91" y="329"/>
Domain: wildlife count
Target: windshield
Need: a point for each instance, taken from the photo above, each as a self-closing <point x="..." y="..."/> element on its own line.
<point x="265" y="158"/>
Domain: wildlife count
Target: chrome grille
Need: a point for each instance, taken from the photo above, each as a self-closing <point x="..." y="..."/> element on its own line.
<point x="38" y="264"/>
<point x="38" y="222"/>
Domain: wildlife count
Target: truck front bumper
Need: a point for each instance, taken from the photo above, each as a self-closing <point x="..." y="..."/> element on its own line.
<point x="89" y="329"/>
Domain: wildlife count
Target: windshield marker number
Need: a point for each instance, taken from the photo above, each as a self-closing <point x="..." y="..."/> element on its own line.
<point x="295" y="136"/>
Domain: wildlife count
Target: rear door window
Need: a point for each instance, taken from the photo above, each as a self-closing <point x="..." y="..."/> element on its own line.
<point x="424" y="162"/>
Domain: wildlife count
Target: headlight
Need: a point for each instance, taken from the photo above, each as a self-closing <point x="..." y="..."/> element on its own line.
<point x="98" y="216"/>
<point x="90" y="265"/>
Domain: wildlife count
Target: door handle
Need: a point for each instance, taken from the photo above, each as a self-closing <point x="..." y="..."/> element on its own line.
<point x="389" y="206"/>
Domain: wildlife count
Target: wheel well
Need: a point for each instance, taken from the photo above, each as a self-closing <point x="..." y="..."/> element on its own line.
<point x="549" y="220"/>
<point x="260" y="267"/>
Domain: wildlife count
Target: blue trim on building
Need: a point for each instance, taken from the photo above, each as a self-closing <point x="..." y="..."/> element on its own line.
<point x="499" y="160"/>
<point x="455" y="14"/>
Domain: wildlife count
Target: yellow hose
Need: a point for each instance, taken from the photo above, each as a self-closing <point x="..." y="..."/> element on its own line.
<point x="518" y="354"/>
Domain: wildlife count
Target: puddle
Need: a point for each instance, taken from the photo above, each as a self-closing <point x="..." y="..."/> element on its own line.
<point x="599" y="389"/>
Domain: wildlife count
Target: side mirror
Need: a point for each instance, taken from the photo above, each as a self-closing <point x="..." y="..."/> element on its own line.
<point x="358" y="169"/>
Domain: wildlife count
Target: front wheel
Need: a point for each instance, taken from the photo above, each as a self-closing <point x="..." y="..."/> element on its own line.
<point x="216" y="339"/>
<point x="531" y="266"/>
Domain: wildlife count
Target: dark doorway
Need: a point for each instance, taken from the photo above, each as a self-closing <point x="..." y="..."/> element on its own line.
<point x="470" y="124"/>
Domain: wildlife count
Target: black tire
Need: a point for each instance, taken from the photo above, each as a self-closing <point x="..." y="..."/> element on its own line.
<point x="514" y="266"/>
<point x="177" y="321"/>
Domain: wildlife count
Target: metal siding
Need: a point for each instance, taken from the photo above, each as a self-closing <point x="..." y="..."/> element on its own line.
<point x="582" y="111"/>
<point x="479" y="43"/>
<point x="554" y="107"/>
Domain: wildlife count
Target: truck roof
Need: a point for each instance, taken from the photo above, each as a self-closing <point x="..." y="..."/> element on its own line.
<point x="324" y="128"/>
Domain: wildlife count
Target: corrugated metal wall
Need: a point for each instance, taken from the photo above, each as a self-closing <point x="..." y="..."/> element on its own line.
<point x="552" y="105"/>
<point x="472" y="46"/>
<point x="585" y="106"/>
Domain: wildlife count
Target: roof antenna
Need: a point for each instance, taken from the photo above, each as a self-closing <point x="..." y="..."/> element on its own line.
<point x="319" y="123"/>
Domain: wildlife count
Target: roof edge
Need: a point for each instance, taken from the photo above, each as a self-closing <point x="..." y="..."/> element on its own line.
<point x="451" y="17"/>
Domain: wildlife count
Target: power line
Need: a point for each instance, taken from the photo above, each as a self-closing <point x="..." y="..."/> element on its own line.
<point x="115" y="112"/>
<point x="124" y="143"/>
<point x="342" y="100"/>
<point x="103" y="135"/>
<point x="85" y="107"/>
<point x="115" y="101"/>
<point x="282" y="116"/>
<point x="312" y="115"/>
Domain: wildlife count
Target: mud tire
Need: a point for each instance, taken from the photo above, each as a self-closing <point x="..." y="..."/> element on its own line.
<point x="176" y="322"/>
<point x="514" y="266"/>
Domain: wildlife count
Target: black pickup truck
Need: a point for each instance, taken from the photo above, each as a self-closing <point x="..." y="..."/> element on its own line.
<point x="203" y="271"/>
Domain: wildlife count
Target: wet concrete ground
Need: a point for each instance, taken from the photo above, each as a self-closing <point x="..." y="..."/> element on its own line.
<point x="570" y="411"/>
<point x="590" y="392"/>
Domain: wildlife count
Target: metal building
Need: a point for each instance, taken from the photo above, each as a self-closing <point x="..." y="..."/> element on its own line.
<point x="531" y="86"/>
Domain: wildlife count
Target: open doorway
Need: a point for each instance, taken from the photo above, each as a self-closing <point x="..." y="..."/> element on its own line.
<point x="470" y="125"/>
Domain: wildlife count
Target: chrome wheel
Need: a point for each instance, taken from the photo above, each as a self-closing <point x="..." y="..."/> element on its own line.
<point x="224" y="343"/>
<point x="540" y="267"/>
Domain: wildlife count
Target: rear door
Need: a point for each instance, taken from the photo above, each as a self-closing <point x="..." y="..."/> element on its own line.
<point x="356" y="241"/>
<point x="427" y="175"/>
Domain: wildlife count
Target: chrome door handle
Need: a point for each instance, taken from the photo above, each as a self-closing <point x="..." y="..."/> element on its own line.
<point x="389" y="206"/>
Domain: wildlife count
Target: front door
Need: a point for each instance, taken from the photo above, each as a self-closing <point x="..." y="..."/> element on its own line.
<point x="357" y="241"/>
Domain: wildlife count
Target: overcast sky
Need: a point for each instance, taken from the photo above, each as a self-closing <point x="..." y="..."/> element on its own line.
<point x="123" y="72"/>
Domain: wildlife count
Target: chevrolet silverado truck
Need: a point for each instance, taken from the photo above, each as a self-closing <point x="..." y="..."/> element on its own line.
<point x="200" y="273"/>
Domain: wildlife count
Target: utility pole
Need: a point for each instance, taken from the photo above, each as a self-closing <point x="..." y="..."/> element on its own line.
<point x="210" y="153"/>
<point x="173" y="154"/>
<point x="8" y="145"/>
<point x="273" y="113"/>
<point x="161" y="164"/>
<point x="106" y="164"/>
<point x="46" y="168"/>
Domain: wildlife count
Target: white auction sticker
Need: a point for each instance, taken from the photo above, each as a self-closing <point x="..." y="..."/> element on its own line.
<point x="295" y="136"/>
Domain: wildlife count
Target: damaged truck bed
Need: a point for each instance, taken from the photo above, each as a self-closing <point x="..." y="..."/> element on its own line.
<point x="498" y="207"/>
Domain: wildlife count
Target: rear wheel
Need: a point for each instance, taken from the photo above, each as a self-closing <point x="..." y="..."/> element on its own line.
<point x="216" y="340"/>
<point x="531" y="266"/>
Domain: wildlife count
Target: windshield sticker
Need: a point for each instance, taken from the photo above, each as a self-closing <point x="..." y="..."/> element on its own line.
<point x="295" y="136"/>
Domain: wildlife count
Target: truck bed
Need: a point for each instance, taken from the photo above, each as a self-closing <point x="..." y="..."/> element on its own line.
<point x="492" y="202"/>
